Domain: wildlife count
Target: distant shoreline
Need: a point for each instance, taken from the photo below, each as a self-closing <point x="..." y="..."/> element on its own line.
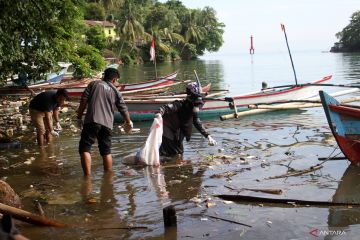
<point x="339" y="48"/>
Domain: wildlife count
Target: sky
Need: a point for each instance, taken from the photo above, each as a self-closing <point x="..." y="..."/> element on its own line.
<point x="310" y="24"/>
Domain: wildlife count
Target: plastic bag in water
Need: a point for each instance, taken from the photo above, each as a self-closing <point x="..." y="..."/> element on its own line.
<point x="149" y="152"/>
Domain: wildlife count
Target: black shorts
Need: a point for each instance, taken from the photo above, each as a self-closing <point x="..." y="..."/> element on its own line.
<point x="92" y="131"/>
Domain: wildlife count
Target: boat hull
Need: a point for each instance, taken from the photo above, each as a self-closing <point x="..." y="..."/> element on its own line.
<point x="76" y="88"/>
<point x="344" y="122"/>
<point x="144" y="110"/>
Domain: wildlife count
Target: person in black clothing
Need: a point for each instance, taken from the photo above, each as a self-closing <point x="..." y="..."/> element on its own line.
<point x="178" y="118"/>
<point x="40" y="109"/>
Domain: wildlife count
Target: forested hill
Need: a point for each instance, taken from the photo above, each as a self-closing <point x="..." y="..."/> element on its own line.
<point x="36" y="35"/>
<point x="349" y="37"/>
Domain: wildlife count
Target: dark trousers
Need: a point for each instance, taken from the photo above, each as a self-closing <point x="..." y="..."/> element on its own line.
<point x="171" y="147"/>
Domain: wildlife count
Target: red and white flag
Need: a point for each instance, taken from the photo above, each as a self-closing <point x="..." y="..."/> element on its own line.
<point x="283" y="27"/>
<point x="152" y="51"/>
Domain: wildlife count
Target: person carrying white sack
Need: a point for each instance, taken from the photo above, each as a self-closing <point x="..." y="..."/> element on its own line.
<point x="171" y="125"/>
<point x="148" y="154"/>
<point x="178" y="118"/>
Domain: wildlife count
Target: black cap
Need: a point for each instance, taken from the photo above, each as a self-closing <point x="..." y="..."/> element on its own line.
<point x="62" y="92"/>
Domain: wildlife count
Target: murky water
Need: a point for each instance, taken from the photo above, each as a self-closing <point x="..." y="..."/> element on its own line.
<point x="249" y="151"/>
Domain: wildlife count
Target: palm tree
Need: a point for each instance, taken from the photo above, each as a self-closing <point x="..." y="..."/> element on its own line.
<point x="164" y="25"/>
<point x="164" y="36"/>
<point x="208" y="17"/>
<point x="131" y="29"/>
<point x="192" y="30"/>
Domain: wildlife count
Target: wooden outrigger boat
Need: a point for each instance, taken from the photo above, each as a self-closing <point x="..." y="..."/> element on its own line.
<point x="75" y="88"/>
<point x="144" y="109"/>
<point x="344" y="122"/>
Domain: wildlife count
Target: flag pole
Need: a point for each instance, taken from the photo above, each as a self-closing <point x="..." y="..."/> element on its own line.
<point x="155" y="69"/>
<point x="292" y="63"/>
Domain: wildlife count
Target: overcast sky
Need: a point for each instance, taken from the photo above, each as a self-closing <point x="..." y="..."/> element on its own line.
<point x="310" y="24"/>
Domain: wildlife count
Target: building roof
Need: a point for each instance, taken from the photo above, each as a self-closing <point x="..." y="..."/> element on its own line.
<point x="101" y="23"/>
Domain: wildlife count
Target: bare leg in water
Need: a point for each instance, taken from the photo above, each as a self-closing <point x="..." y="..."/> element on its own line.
<point x="86" y="163"/>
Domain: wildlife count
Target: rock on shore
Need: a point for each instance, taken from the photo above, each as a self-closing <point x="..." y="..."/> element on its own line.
<point x="8" y="196"/>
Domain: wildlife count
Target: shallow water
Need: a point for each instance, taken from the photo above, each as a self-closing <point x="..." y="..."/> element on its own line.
<point x="260" y="147"/>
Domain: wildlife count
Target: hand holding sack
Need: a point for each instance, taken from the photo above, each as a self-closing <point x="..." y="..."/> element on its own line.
<point x="54" y="133"/>
<point x="58" y="127"/>
<point x="212" y="141"/>
<point x="128" y="126"/>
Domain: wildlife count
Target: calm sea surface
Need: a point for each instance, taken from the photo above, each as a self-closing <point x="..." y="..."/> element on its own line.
<point x="249" y="151"/>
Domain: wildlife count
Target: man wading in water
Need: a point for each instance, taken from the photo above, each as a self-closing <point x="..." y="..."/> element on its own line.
<point x="40" y="109"/>
<point x="101" y="98"/>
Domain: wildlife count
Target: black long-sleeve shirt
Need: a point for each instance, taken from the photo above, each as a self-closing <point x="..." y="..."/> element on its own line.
<point x="178" y="118"/>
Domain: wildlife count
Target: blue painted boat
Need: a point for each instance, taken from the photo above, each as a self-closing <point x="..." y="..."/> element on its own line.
<point x="344" y="122"/>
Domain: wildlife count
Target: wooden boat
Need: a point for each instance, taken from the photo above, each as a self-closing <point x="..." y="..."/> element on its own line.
<point x="51" y="78"/>
<point x="75" y="88"/>
<point x="144" y="109"/>
<point x="344" y="122"/>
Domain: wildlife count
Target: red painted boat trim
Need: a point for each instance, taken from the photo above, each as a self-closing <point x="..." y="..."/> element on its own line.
<point x="343" y="110"/>
<point x="76" y="88"/>
<point x="350" y="148"/>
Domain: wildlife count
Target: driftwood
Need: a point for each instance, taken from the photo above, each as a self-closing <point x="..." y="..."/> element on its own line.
<point x="331" y="158"/>
<point x="29" y="217"/>
<point x="243" y="198"/>
<point x="270" y="191"/>
<point x="125" y="228"/>
<point x="229" y="174"/>
<point x="227" y="220"/>
<point x="297" y="172"/>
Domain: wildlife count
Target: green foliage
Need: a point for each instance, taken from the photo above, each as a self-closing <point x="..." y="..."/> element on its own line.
<point x="95" y="37"/>
<point x="189" y="52"/>
<point x="82" y="67"/>
<point x="177" y="30"/>
<point x="92" y="58"/>
<point x="350" y="36"/>
<point x="94" y="11"/>
<point x="35" y="35"/>
<point x="107" y="53"/>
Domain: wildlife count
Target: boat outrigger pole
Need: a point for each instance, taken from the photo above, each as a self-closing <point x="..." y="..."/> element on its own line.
<point x="292" y="63"/>
<point x="198" y="81"/>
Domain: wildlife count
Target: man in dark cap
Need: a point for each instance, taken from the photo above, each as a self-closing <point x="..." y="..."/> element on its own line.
<point x="178" y="118"/>
<point x="101" y="98"/>
<point x="40" y="109"/>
